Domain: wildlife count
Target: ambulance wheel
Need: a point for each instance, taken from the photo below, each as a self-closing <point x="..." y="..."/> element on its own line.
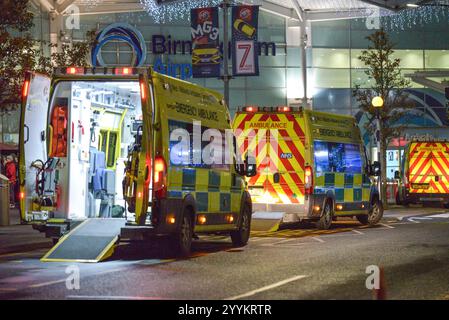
<point x="241" y="236"/>
<point x="325" y="221"/>
<point x="374" y="215"/>
<point x="181" y="243"/>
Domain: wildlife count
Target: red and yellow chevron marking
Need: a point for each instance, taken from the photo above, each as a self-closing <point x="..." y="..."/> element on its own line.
<point x="429" y="167"/>
<point x="276" y="140"/>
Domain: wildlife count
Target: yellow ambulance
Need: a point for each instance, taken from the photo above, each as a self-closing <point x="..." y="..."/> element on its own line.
<point x="129" y="154"/>
<point x="424" y="173"/>
<point x="310" y="166"/>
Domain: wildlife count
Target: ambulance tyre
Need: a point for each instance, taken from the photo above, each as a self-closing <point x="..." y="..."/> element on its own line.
<point x="240" y="237"/>
<point x="181" y="243"/>
<point x="326" y="217"/>
<point x="374" y="215"/>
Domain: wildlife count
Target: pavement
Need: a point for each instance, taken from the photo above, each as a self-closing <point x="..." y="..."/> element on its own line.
<point x="18" y="238"/>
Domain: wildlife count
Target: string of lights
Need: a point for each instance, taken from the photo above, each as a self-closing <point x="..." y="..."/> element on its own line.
<point x="171" y="10"/>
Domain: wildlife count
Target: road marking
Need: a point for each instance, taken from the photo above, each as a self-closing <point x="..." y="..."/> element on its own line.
<point x="43" y="284"/>
<point x="257" y="239"/>
<point x="357" y="231"/>
<point x="443" y="215"/>
<point x="413" y="219"/>
<point x="269" y="287"/>
<point x="8" y="289"/>
<point x="386" y="225"/>
<point x="318" y="239"/>
<point x="49" y="283"/>
<point x="114" y="297"/>
<point x="283" y="241"/>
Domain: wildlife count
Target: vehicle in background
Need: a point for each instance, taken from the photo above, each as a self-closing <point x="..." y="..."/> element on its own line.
<point x="310" y="166"/>
<point x="424" y="173"/>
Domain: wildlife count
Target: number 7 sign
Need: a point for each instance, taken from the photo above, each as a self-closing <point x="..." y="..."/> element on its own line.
<point x="244" y="63"/>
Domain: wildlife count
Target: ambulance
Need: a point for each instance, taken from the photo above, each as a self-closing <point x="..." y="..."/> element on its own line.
<point x="424" y="173"/>
<point x="310" y="166"/>
<point x="107" y="154"/>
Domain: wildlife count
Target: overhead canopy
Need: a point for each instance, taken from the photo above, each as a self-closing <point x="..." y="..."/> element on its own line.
<point x="288" y="8"/>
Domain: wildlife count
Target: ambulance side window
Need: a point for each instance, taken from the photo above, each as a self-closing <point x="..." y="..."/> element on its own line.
<point x="205" y="151"/>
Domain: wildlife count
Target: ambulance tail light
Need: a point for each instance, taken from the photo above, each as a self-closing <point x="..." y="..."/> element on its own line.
<point x="160" y="173"/>
<point x="284" y="109"/>
<point x="74" y="70"/>
<point x="124" y="71"/>
<point x="308" y="180"/>
<point x="251" y="109"/>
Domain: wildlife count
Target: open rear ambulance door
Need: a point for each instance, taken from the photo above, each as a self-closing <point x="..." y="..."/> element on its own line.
<point x="33" y="135"/>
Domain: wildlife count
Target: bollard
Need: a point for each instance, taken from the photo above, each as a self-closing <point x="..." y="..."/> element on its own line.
<point x="381" y="293"/>
<point x="4" y="201"/>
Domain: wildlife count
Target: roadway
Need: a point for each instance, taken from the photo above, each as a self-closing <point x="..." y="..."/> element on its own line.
<point x="289" y="264"/>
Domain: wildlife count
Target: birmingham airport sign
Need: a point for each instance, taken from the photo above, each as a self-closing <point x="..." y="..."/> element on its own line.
<point x="165" y="45"/>
<point x="160" y="45"/>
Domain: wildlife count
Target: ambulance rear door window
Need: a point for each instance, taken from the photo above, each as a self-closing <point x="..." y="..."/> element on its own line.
<point x="337" y="157"/>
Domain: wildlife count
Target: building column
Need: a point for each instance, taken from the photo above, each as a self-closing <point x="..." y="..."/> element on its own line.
<point x="302" y="45"/>
<point x="56" y="21"/>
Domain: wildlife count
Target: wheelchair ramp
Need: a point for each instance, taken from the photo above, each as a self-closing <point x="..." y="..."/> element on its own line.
<point x="91" y="241"/>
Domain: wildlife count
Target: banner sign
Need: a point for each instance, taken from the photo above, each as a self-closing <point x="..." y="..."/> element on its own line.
<point x="245" y="55"/>
<point x="206" y="55"/>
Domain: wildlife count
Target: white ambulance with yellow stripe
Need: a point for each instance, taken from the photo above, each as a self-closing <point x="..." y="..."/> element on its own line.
<point x="424" y="173"/>
<point x="310" y="165"/>
<point x="128" y="153"/>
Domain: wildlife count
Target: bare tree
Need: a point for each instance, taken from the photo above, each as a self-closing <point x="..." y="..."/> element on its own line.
<point x="391" y="86"/>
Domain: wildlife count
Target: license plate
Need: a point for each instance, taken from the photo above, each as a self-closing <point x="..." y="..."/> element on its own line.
<point x="420" y="185"/>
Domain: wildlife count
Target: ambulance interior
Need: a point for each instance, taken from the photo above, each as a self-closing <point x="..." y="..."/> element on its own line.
<point x="92" y="126"/>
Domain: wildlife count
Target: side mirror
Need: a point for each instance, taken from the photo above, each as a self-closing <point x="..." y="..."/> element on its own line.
<point x="375" y="169"/>
<point x="250" y="164"/>
<point x="397" y="176"/>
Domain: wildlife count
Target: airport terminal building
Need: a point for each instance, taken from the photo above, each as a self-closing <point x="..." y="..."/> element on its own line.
<point x="308" y="53"/>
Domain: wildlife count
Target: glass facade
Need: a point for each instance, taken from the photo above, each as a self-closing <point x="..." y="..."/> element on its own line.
<point x="334" y="68"/>
<point x="270" y="88"/>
